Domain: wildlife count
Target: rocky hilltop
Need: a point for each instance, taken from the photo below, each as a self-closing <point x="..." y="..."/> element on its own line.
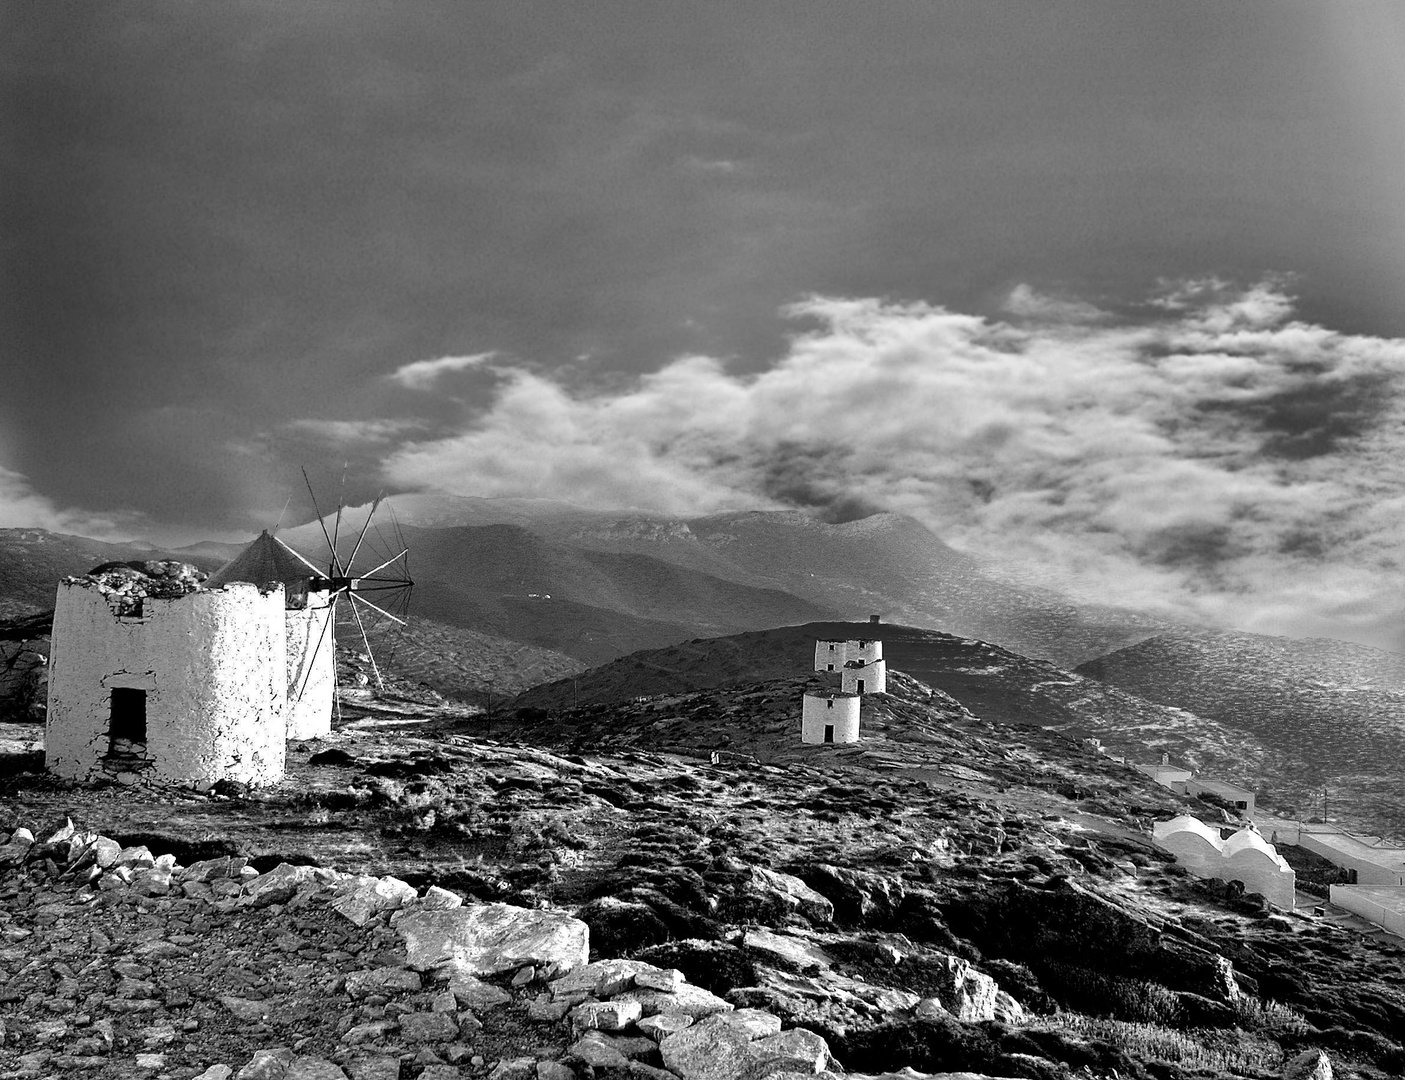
<point x="950" y="894"/>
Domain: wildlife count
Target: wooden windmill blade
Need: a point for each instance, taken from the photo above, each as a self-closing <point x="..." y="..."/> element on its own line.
<point x="388" y="581"/>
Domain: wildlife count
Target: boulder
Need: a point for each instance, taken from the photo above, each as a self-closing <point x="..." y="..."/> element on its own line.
<point x="486" y="939"/>
<point x="860" y="898"/>
<point x="1309" y="1065"/>
<point x="771" y="896"/>
<point x="361" y="899"/>
<point x="689" y="1000"/>
<point x="786" y="948"/>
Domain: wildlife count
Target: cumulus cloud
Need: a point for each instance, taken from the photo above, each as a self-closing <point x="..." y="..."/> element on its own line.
<point x="1219" y="460"/>
<point x="423" y="374"/>
<point x="23" y="508"/>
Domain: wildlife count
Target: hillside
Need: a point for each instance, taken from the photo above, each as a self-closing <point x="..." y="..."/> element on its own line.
<point x="993" y="683"/>
<point x="950" y="894"/>
<point x="1336" y="710"/>
<point x="33" y="560"/>
<point x="787" y="567"/>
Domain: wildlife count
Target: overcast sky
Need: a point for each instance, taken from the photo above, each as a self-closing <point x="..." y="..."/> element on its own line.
<point x="1111" y="289"/>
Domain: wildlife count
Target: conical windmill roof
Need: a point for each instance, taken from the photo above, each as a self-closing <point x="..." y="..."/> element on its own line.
<point x="266" y="559"/>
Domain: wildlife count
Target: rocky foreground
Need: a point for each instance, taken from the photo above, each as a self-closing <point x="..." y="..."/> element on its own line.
<point x="592" y="900"/>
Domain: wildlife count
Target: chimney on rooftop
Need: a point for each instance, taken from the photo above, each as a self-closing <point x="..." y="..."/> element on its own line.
<point x="874" y="618"/>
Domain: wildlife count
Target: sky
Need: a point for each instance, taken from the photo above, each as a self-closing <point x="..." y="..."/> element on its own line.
<point x="1108" y="292"/>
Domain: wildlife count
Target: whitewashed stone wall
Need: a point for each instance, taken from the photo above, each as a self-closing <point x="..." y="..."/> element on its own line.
<point x="841" y="711"/>
<point x="1246" y="856"/>
<point x="874" y="678"/>
<point x="830" y="655"/>
<point x="312" y="671"/>
<point x="213" y="665"/>
<point x="865" y="650"/>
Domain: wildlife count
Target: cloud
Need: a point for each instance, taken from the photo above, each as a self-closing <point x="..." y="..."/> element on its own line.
<point x="22" y="508"/>
<point x="423" y="374"/>
<point x="340" y="432"/>
<point x="1218" y="460"/>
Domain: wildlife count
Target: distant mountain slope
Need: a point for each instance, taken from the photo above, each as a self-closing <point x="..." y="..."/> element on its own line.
<point x="509" y="582"/>
<point x="32" y="561"/>
<point x="885" y="563"/>
<point x="1336" y="707"/>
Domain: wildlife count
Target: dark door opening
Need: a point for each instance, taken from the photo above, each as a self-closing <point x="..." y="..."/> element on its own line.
<point x="861" y="682"/>
<point x="829" y="733"/>
<point x="126" y="726"/>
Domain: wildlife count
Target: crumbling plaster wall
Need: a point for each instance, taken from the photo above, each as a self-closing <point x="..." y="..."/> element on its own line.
<point x="874" y="677"/>
<point x="817" y="711"/>
<point x="312" y="672"/>
<point x="865" y="650"/>
<point x="829" y="655"/>
<point x="212" y="664"/>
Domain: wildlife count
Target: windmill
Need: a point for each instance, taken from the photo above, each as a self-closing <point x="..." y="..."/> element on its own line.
<point x="318" y="599"/>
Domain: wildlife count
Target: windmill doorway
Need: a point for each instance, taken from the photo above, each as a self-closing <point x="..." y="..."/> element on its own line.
<point x="829" y="733"/>
<point x="126" y="724"/>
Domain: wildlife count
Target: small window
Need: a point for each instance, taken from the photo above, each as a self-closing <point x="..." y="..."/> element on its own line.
<point x="126" y="726"/>
<point x="829" y="667"/>
<point x="1241" y="806"/>
<point x="829" y="703"/>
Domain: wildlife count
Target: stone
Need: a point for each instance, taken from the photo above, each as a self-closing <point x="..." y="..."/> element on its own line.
<point x="428" y="1027"/>
<point x="277" y="886"/>
<point x="661" y="1025"/>
<point x="709" y="1050"/>
<point x="368" y="1032"/>
<point x="373" y="1067"/>
<point x="786" y="893"/>
<point x="598" y="1050"/>
<point x="606" y="1015"/>
<point x="444" y="1002"/>
<point x="245" y="1010"/>
<point x="151" y="1061"/>
<point x="476" y="994"/>
<point x="437" y="899"/>
<point x="105" y="851"/>
<point x="519" y="1068"/>
<point x="208" y="870"/>
<point x="756" y="1023"/>
<point x="798" y="1049"/>
<point x="267" y="1065"/>
<point x="313" y="1068"/>
<point x="554" y="1070"/>
<point x="15" y="850"/>
<point x="690" y="1000"/>
<point x="667" y="980"/>
<point x="545" y="1011"/>
<point x="361" y="984"/>
<point x="486" y="939"/>
<point x="964" y="992"/>
<point x="361" y="899"/>
<point x="786" y="948"/>
<point x="215" y="1072"/>
<point x="601" y="979"/>
<point x="1309" y="1065"/>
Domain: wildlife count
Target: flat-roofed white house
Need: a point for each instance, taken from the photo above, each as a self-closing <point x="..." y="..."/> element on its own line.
<point x="1242" y="799"/>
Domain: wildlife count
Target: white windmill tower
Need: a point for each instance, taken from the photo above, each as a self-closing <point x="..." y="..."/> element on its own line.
<point x="318" y="599"/>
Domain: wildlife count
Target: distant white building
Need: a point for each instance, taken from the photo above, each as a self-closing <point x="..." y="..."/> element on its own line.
<point x="1242" y="799"/>
<point x="1246" y="857"/>
<point x="1166" y="774"/>
<point x="829" y="655"/>
<point x="856" y="677"/>
<point x="832" y="654"/>
<point x="829" y="718"/>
